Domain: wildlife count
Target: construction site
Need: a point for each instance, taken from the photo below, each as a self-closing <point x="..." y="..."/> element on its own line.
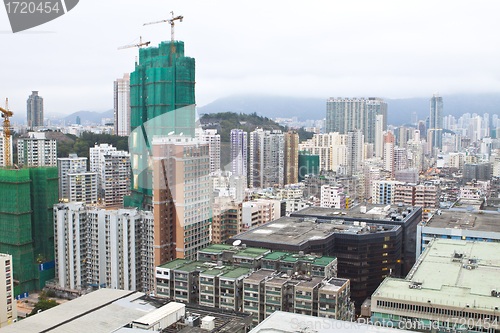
<point x="27" y="196"/>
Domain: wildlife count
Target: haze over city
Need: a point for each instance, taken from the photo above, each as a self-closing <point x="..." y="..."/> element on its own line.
<point x="389" y="49"/>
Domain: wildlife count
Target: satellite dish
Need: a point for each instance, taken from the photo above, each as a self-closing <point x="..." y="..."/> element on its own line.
<point x="237" y="242"/>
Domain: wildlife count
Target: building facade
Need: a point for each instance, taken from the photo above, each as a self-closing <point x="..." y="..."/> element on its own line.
<point x="333" y="197"/>
<point x="5" y="148"/>
<point x="436" y="122"/>
<point x="211" y="137"/>
<point x="267" y="160"/>
<point x="291" y="157"/>
<point x="37" y="150"/>
<point x="100" y="248"/>
<point x="346" y="114"/>
<point x="122" y="105"/>
<point x="8" y="304"/>
<point x="67" y="165"/>
<point x="239" y="152"/>
<point x="34" y="110"/>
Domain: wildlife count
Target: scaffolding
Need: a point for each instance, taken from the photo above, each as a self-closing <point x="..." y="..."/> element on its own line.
<point x="162" y="100"/>
<point x="27" y="196"/>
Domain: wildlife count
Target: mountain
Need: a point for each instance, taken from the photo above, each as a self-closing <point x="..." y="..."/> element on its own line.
<point x="88" y="116"/>
<point x="399" y="111"/>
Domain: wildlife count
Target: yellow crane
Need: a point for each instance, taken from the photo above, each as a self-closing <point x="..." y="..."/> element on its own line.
<point x="6" y="113"/>
<point x="171" y="21"/>
<point x="141" y="44"/>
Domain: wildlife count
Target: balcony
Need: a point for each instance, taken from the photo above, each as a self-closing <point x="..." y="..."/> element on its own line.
<point x="303" y="297"/>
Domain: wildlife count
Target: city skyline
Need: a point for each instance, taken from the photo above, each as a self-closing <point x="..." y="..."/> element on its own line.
<point x="257" y="50"/>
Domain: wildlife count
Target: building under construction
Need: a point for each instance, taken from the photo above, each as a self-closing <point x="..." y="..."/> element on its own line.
<point x="162" y="99"/>
<point x="27" y="196"/>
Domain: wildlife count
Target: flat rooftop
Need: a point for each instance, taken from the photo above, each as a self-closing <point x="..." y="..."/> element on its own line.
<point x="334" y="284"/>
<point x="287" y="322"/>
<point x="216" y="248"/>
<point x="102" y="311"/>
<point x="469" y="220"/>
<point x="260" y="275"/>
<point x="441" y="271"/>
<point x="296" y="230"/>
<point x="361" y="211"/>
<point x="174" y="263"/>
<point x="236" y="272"/>
<point x="308" y="284"/>
<point x="275" y="255"/>
<point x="251" y="252"/>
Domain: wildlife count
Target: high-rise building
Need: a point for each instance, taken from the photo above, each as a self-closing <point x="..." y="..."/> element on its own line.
<point x="331" y="149"/>
<point x="122" y="105"/>
<point x="308" y="164"/>
<point x="239" y="151"/>
<point x="211" y="137"/>
<point x="8" y="304"/>
<point x="101" y="248"/>
<point x="27" y="196"/>
<point x="267" y="150"/>
<point x="34" y="110"/>
<point x="291" y="157"/>
<point x="5" y="148"/>
<point x="162" y="100"/>
<point x="96" y="156"/>
<point x="379" y="136"/>
<point x="227" y="219"/>
<point x="344" y="115"/>
<point x="436" y="121"/>
<point x="354" y="151"/>
<point x="114" y="178"/>
<point x="37" y="150"/>
<point x="65" y="166"/>
<point x="83" y="187"/>
<point x="181" y="197"/>
<point x="384" y="192"/>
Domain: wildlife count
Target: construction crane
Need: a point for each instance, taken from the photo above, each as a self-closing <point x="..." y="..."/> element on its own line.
<point x="172" y="23"/>
<point x="141" y="44"/>
<point x="6" y="113"/>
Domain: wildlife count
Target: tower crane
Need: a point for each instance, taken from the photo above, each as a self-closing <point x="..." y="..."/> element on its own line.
<point x="171" y="21"/>
<point x="6" y="113"/>
<point x="141" y="44"/>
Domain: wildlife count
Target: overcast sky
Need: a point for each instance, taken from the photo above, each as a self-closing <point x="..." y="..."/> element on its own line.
<point x="392" y="49"/>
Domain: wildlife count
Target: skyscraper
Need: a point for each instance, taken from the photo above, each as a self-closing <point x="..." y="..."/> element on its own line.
<point x="239" y="150"/>
<point x="122" y="105"/>
<point x="344" y="115"/>
<point x="211" y="137"/>
<point x="291" y="157"/>
<point x="354" y="151"/>
<point x="162" y="101"/>
<point x="379" y="136"/>
<point x="34" y="108"/>
<point x="267" y="160"/>
<point x="436" y="121"/>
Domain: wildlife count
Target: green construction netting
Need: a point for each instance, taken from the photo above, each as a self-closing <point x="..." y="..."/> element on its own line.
<point x="162" y="100"/>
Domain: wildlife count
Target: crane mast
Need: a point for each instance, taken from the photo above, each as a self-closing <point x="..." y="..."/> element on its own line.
<point x="171" y="21"/>
<point x="6" y="113"/>
<point x="141" y="44"/>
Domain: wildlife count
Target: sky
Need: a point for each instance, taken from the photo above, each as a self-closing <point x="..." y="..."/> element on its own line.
<point x="391" y="49"/>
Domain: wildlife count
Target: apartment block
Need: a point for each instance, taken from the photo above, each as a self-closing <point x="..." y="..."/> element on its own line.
<point x="239" y="152"/>
<point x="333" y="197"/>
<point x="114" y="178"/>
<point x="405" y="194"/>
<point x="227" y="219"/>
<point x="66" y="165"/>
<point x="267" y="159"/>
<point x="36" y="150"/>
<point x="211" y="137"/>
<point x="5" y="148"/>
<point x="82" y="187"/>
<point x="8" y="304"/>
<point x="260" y="211"/>
<point x="291" y="157"/>
<point x="181" y="197"/>
<point x="384" y="192"/>
<point x="98" y="248"/>
<point x="427" y="196"/>
<point x="122" y="105"/>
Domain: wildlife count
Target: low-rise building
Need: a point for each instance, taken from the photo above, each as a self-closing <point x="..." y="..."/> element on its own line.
<point x="452" y="287"/>
<point x="333" y="197"/>
<point x="260" y="211"/>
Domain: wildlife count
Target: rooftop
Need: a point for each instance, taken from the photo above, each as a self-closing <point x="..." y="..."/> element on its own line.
<point x="275" y="255"/>
<point x="260" y="275"/>
<point x="361" y="211"/>
<point x="286" y="322"/>
<point x="296" y="230"/>
<point x="216" y="248"/>
<point x="251" y="252"/>
<point x="442" y="273"/>
<point x="334" y="284"/>
<point x="174" y="263"/>
<point x="236" y="272"/>
<point x="313" y="282"/>
<point x="470" y="220"/>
